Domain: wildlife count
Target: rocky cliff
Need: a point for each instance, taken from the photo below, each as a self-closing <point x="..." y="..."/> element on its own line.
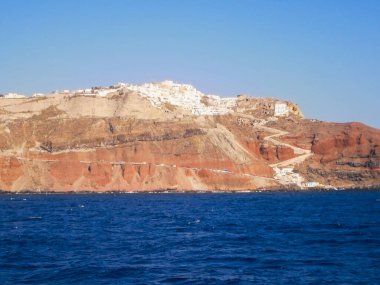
<point x="168" y="136"/>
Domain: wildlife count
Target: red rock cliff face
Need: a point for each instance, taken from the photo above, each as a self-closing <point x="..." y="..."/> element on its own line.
<point x="344" y="155"/>
<point x="86" y="155"/>
<point x="149" y="149"/>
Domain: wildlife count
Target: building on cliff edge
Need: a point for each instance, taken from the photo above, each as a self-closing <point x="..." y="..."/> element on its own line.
<point x="281" y="109"/>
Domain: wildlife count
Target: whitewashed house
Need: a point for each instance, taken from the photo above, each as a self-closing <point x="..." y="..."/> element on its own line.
<point x="38" y="95"/>
<point x="14" y="96"/>
<point x="312" y="184"/>
<point x="281" y="109"/>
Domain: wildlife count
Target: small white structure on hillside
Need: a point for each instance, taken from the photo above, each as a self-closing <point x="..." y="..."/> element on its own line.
<point x="288" y="176"/>
<point x="281" y="109"/>
<point x="13" y="96"/>
<point x="38" y="95"/>
<point x="312" y="184"/>
<point x="120" y="85"/>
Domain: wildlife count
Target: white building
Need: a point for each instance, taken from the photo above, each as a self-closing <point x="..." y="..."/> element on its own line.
<point x="13" y="96"/>
<point x="38" y="95"/>
<point x="281" y="109"/>
<point x="311" y="184"/>
<point x="120" y="85"/>
<point x="288" y="175"/>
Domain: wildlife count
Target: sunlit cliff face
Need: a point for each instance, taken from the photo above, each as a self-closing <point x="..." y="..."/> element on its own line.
<point x="159" y="136"/>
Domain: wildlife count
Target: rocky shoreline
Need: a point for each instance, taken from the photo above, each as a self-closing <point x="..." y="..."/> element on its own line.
<point x="169" y="191"/>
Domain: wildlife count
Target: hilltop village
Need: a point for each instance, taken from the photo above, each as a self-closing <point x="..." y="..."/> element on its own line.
<point x="180" y="95"/>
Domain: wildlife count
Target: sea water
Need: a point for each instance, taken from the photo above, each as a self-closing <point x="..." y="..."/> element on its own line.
<point x="263" y="238"/>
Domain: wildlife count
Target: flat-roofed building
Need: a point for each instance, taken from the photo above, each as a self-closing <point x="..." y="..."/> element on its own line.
<point x="281" y="109"/>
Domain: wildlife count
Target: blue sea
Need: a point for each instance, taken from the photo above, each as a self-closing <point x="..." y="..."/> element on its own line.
<point x="327" y="237"/>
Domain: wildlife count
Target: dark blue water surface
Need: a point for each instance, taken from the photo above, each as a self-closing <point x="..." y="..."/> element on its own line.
<point x="265" y="238"/>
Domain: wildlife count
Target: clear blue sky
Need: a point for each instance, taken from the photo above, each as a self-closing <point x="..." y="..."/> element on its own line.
<point x="324" y="55"/>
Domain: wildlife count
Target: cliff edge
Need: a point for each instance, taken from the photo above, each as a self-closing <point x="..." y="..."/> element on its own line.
<point x="169" y="136"/>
